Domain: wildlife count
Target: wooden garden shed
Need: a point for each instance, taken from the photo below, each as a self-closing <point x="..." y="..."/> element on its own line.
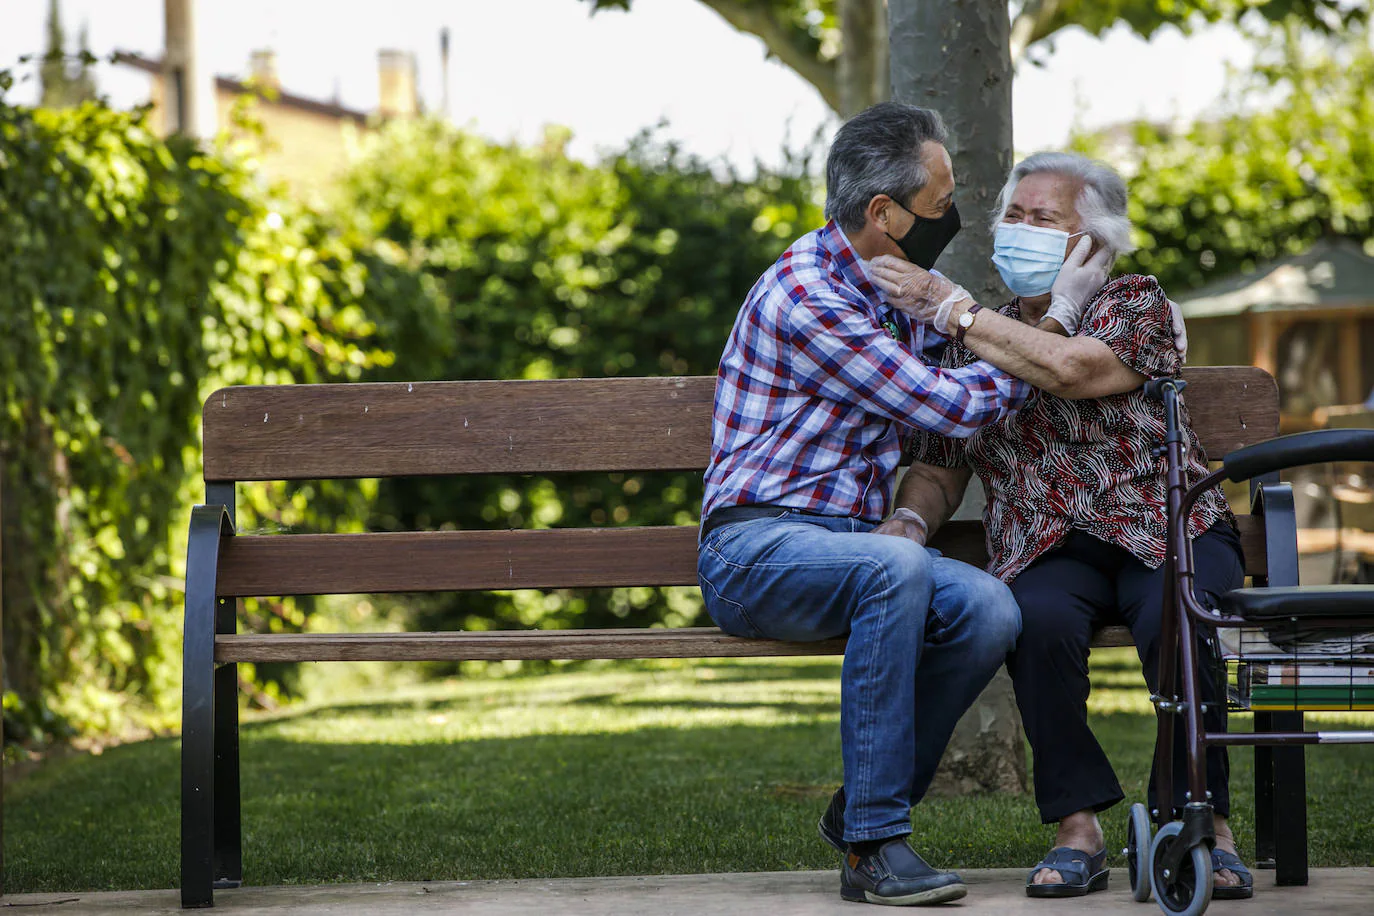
<point x="1307" y="319"/>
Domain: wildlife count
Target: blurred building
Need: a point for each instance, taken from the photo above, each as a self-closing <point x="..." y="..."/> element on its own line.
<point x="1307" y="319"/>
<point x="307" y="139"/>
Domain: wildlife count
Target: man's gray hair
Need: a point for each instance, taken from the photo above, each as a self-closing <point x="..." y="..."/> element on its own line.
<point x="878" y="152"/>
<point x="1101" y="204"/>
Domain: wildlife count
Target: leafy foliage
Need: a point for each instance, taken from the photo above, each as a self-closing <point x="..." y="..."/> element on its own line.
<point x="1224" y="195"/>
<point x="136" y="274"/>
<point x="542" y="267"/>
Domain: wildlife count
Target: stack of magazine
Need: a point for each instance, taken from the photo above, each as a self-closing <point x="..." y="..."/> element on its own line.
<point x="1312" y="685"/>
<point x="1312" y="670"/>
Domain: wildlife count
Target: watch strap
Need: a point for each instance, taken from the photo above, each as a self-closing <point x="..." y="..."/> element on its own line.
<point x="959" y="334"/>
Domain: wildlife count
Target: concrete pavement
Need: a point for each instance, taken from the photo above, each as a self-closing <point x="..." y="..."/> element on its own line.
<point x="1332" y="892"/>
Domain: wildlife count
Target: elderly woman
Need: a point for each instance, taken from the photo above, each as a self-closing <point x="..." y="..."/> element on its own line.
<point x="1075" y="515"/>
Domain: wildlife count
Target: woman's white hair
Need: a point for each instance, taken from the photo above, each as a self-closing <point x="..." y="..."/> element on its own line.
<point x="1101" y="204"/>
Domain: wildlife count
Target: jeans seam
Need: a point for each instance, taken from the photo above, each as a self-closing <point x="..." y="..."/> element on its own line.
<point x="739" y="608"/>
<point x="872" y="653"/>
<point x="763" y="565"/>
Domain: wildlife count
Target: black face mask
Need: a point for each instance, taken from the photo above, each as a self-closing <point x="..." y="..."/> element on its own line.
<point x="928" y="237"/>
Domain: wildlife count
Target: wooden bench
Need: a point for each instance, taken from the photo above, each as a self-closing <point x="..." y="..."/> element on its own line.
<point x="307" y="432"/>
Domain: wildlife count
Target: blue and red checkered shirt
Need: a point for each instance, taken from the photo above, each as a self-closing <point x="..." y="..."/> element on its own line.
<point x="822" y="382"/>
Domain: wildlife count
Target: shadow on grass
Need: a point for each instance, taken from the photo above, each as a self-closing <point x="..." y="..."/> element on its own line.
<point x="737" y="671"/>
<point x="830" y="709"/>
<point x="649" y="800"/>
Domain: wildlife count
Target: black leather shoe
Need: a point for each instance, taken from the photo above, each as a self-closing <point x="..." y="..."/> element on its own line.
<point x="896" y="876"/>
<point x="832" y="822"/>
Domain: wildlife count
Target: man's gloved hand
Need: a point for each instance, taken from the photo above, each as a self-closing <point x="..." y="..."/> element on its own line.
<point x="904" y="523"/>
<point x="1079" y="280"/>
<point x="1180" y="332"/>
<point x="928" y="298"/>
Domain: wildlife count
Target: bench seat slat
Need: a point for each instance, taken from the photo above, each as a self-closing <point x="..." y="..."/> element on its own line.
<point x="343" y="564"/>
<point x="689" y="642"/>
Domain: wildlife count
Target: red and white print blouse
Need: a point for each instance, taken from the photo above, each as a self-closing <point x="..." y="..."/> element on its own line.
<point x="1058" y="465"/>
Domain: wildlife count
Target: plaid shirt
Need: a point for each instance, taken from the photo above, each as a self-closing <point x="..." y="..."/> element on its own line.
<point x="822" y="383"/>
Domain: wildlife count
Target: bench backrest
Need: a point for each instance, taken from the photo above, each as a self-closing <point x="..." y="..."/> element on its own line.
<point x="308" y="432"/>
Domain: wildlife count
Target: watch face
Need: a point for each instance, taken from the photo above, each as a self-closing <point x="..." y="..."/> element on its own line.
<point x="966" y="320"/>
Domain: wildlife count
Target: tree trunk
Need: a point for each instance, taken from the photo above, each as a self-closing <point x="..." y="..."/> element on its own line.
<point x="952" y="55"/>
<point x="863" y="74"/>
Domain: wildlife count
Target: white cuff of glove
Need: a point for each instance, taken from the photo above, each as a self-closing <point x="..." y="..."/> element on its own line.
<point x="911" y="515"/>
<point x="941" y="321"/>
<point x="1066" y="313"/>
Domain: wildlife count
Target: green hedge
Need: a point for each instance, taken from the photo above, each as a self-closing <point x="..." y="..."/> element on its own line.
<point x="135" y="275"/>
<point x="543" y="267"/>
<point x="1265" y="182"/>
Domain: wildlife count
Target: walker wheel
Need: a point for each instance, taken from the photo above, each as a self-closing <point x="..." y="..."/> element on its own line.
<point x="1137" y="852"/>
<point x="1188" y="891"/>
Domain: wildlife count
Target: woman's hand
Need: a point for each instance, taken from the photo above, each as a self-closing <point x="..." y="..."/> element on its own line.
<point x="927" y="298"/>
<point x="1079" y="280"/>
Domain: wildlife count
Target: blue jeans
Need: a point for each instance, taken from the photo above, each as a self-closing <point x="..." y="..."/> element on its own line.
<point x="926" y="634"/>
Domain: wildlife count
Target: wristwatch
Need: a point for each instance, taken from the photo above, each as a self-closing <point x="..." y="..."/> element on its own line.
<point x="966" y="321"/>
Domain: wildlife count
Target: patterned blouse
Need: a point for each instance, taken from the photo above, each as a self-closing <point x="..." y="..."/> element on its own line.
<point x="1060" y="465"/>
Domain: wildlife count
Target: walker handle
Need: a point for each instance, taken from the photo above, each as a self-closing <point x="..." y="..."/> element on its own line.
<point x="1154" y="388"/>
<point x="1315" y="447"/>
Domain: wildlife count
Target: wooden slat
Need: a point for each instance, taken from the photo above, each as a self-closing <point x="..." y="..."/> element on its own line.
<point x="304" y="432"/>
<point x="964" y="540"/>
<point x="1231" y="407"/>
<point x="439" y="561"/>
<point x="342" y="564"/>
<point x="690" y="642"/>
<point x="1252" y="544"/>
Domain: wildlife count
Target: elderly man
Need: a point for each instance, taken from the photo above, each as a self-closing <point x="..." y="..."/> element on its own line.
<point x="1076" y="515"/>
<point x="820" y="386"/>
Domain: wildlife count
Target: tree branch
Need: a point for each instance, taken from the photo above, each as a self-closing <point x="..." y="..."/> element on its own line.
<point x="1031" y="24"/>
<point x="777" y="37"/>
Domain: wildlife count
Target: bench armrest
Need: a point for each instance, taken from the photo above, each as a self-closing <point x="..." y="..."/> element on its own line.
<point x="1274" y="503"/>
<point x="1315" y="447"/>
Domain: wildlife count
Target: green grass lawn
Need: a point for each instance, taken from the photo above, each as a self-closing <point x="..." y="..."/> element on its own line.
<point x="625" y="768"/>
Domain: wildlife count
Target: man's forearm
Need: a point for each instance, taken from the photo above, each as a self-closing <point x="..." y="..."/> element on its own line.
<point x="932" y="492"/>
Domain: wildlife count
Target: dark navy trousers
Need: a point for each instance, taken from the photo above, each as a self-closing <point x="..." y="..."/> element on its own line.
<point x="1065" y="595"/>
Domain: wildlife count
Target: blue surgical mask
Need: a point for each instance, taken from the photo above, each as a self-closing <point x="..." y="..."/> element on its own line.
<point x="1029" y="257"/>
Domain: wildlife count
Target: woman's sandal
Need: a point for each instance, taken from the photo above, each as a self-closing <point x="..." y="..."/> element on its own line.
<point x="1082" y="873"/>
<point x="1230" y="861"/>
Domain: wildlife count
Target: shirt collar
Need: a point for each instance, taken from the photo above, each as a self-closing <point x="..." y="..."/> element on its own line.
<point x="851" y="266"/>
<point x="855" y="270"/>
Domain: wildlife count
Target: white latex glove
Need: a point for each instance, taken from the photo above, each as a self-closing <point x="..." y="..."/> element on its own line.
<point x="1180" y="332"/>
<point x="1079" y="279"/>
<point x="926" y="297"/>
<point x="905" y="523"/>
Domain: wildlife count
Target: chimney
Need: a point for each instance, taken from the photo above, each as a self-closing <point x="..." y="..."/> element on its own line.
<point x="396" y="80"/>
<point x="262" y="67"/>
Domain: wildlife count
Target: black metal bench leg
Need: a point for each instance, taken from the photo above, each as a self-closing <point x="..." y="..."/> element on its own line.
<point x="199" y="682"/>
<point x="1264" y="795"/>
<point x="228" y="830"/>
<point x="198" y="772"/>
<point x="1290" y="806"/>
